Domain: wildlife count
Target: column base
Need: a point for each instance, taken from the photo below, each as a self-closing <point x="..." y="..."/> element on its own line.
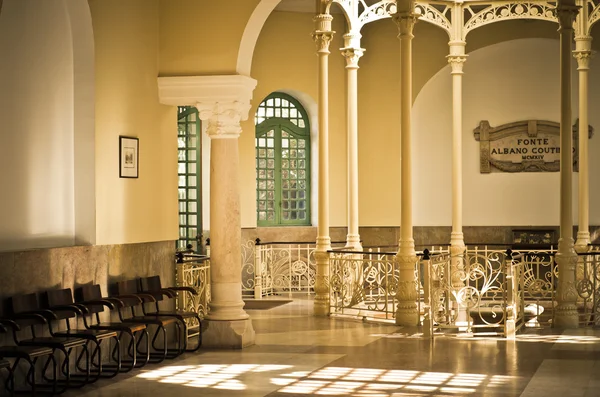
<point x="233" y="334"/>
<point x="353" y="242"/>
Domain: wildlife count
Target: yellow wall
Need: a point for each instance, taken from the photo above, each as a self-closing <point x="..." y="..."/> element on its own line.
<point x="285" y="59"/>
<point x="201" y="37"/>
<point x="144" y="209"/>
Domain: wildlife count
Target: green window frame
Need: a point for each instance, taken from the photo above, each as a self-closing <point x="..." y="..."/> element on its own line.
<point x="282" y="162"/>
<point x="189" y="172"/>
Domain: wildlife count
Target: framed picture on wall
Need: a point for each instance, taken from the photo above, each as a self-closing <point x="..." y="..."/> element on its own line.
<point x="128" y="157"/>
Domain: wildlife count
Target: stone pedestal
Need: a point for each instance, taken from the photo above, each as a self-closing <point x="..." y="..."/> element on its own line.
<point x="232" y="334"/>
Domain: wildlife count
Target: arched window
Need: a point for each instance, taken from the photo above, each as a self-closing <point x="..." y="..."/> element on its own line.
<point x="282" y="162"/>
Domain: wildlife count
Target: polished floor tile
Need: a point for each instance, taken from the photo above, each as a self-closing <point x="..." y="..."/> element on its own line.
<point x="297" y="354"/>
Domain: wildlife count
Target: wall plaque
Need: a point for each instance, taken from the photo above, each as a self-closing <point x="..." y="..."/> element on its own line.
<point x="523" y="146"/>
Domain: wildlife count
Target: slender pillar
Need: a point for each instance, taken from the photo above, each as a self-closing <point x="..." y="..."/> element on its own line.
<point x="457" y="59"/>
<point x="406" y="313"/>
<point x="566" y="311"/>
<point x="352" y="52"/>
<point x="322" y="37"/>
<point x="583" y="54"/>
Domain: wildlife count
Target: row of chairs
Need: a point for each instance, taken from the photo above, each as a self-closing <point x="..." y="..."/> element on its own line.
<point x="130" y="304"/>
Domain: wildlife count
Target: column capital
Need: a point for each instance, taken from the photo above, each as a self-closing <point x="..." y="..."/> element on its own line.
<point x="566" y="14"/>
<point x="352" y="56"/>
<point x="223" y="118"/>
<point x="405" y="20"/>
<point x="323" y="33"/>
<point x="457" y="62"/>
<point x="223" y="101"/>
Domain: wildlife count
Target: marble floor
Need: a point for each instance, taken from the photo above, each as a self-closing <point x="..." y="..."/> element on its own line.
<point x="297" y="354"/>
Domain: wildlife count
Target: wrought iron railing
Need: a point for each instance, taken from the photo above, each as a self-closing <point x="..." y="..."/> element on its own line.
<point x="363" y="284"/>
<point x="480" y="291"/>
<point x="278" y="268"/>
<point x="193" y="271"/>
<point x="587" y="283"/>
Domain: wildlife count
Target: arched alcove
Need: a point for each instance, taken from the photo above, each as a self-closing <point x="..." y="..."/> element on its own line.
<point x="46" y="124"/>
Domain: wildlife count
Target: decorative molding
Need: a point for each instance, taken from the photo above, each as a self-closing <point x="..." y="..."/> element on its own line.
<point x="532" y="158"/>
<point x="429" y="13"/>
<point x="505" y="11"/>
<point x="375" y="12"/>
<point x="223" y="101"/>
<point x="352" y="56"/>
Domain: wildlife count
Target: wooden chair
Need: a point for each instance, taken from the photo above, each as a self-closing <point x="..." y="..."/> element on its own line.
<point x="90" y="297"/>
<point x="129" y="298"/>
<point x="61" y="303"/>
<point x="27" y="313"/>
<point x="152" y="285"/>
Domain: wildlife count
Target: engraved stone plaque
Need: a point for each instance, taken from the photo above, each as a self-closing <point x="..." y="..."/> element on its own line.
<point x="523" y="146"/>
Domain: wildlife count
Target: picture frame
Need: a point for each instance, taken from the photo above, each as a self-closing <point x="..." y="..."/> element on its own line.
<point x="129" y="159"/>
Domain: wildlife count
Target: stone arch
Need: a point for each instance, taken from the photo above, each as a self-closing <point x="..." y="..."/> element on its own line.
<point x="251" y="33"/>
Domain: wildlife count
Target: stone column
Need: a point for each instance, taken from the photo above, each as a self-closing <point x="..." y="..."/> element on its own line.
<point x="322" y="37"/>
<point x="406" y="313"/>
<point x="583" y="54"/>
<point x="352" y="52"/>
<point x="566" y="311"/>
<point x="456" y="59"/>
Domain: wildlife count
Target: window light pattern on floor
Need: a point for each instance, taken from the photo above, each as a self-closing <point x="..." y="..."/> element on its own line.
<point x="329" y="380"/>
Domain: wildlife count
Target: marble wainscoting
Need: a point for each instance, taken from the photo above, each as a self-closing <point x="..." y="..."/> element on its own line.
<point x="30" y="271"/>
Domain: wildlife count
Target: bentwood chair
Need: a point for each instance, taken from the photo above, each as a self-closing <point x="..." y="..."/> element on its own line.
<point x="60" y="302"/>
<point x="152" y="285"/>
<point x="27" y="313"/>
<point x="90" y="297"/>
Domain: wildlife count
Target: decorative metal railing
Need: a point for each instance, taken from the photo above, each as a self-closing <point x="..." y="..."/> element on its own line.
<point x="364" y="284"/>
<point x="478" y="291"/>
<point x="193" y="271"/>
<point x="587" y="276"/>
<point x="278" y="268"/>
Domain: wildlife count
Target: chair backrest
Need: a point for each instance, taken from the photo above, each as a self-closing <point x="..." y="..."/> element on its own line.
<point x="151" y="285"/>
<point x="23" y="304"/>
<point x="88" y="293"/>
<point x="60" y="297"/>
<point x="128" y="287"/>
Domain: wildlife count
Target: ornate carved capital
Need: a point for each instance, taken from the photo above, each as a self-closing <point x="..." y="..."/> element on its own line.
<point x="583" y="58"/>
<point x="223" y="118"/>
<point x="566" y="14"/>
<point x="406" y="22"/>
<point x="457" y="62"/>
<point x="323" y="33"/>
<point x="352" y="56"/>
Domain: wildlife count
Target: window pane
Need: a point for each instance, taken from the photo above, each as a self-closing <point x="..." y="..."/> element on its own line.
<point x="192" y="194"/>
<point x="191" y="180"/>
<point x="192" y="207"/>
<point x="191" y="155"/>
<point x="181" y="193"/>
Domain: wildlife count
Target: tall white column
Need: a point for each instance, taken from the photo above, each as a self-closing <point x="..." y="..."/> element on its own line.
<point x="352" y="52"/>
<point x="583" y="54"/>
<point x="457" y="59"/>
<point x="322" y="37"/>
<point x="222" y="102"/>
<point x="566" y="311"/>
<point x="406" y="313"/>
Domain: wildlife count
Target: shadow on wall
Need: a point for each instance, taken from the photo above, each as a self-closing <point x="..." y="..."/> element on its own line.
<point x="72" y="267"/>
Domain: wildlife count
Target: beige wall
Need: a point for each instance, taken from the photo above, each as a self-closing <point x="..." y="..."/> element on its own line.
<point x="36" y="126"/>
<point x="201" y="37"/>
<point x="127" y="42"/>
<point x="288" y="62"/>
<point x="506" y="82"/>
<point x="285" y="59"/>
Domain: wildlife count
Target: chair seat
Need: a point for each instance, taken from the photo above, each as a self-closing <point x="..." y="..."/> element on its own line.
<point x="180" y="314"/>
<point x="58" y="341"/>
<point x="24" y="351"/>
<point x="125" y="326"/>
<point x="87" y="333"/>
<point x="157" y="320"/>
